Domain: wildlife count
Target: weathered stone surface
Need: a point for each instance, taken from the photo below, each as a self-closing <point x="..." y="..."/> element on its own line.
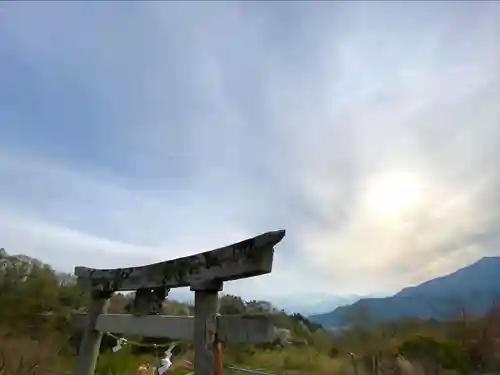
<point x="247" y="258"/>
<point x="91" y="340"/>
<point x="230" y="328"/>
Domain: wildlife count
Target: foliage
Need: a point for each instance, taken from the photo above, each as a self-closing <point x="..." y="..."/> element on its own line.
<point x="229" y="304"/>
<point x="447" y="354"/>
<point x="36" y="310"/>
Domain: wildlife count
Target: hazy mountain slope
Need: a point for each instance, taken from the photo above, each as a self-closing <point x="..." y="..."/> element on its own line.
<point x="473" y="287"/>
<point x="311" y="303"/>
<point x="481" y="276"/>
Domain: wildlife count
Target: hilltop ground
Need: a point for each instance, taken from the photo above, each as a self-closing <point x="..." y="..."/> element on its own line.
<point x="37" y="343"/>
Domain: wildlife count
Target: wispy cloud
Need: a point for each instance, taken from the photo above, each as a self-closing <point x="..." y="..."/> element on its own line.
<point x="135" y="132"/>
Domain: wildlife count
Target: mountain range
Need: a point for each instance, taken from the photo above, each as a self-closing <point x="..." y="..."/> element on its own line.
<point x="302" y="303"/>
<point x="311" y="303"/>
<point x="473" y="288"/>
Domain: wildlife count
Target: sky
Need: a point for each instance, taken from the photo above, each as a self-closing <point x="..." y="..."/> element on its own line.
<point x="136" y="132"/>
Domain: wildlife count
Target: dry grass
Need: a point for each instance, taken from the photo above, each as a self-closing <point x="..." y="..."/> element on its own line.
<point x="25" y="356"/>
<point x="290" y="360"/>
<point x="28" y="356"/>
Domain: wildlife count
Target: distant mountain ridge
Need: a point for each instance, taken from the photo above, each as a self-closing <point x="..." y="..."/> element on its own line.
<point x="473" y="287"/>
<point x="312" y="303"/>
<point x="301" y="303"/>
<point x="480" y="276"/>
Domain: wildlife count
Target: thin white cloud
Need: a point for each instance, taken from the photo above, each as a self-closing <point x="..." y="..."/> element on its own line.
<point x="227" y="121"/>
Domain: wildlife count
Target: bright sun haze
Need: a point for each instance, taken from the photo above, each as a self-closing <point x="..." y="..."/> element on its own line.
<point x="394" y="193"/>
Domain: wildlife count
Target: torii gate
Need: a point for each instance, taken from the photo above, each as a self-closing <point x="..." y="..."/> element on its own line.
<point x="204" y="273"/>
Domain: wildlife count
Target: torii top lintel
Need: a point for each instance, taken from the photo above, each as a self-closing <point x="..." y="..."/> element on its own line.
<point x="251" y="257"/>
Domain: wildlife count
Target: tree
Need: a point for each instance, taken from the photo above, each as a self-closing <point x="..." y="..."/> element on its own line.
<point x="229" y="304"/>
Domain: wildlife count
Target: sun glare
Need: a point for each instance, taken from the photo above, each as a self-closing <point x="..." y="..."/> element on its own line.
<point x="394" y="193"/>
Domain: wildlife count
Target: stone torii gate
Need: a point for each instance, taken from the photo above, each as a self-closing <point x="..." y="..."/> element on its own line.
<point x="204" y="273"/>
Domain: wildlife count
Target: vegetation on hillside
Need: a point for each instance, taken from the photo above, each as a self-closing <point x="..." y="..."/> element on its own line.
<point x="37" y="336"/>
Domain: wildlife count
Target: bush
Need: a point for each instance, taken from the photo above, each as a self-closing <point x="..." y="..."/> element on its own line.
<point x="448" y="355"/>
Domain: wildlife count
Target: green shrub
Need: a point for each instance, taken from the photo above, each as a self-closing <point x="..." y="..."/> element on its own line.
<point x="449" y="355"/>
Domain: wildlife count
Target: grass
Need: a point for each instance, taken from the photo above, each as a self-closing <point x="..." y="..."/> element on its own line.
<point x="49" y="355"/>
<point x="290" y="360"/>
<point x="304" y="359"/>
<point x="21" y="354"/>
<point x="53" y="356"/>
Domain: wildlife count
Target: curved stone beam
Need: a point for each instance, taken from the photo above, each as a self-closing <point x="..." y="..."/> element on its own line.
<point x="247" y="258"/>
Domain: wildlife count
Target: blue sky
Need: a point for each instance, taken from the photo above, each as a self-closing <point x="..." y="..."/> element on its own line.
<point x="137" y="132"/>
